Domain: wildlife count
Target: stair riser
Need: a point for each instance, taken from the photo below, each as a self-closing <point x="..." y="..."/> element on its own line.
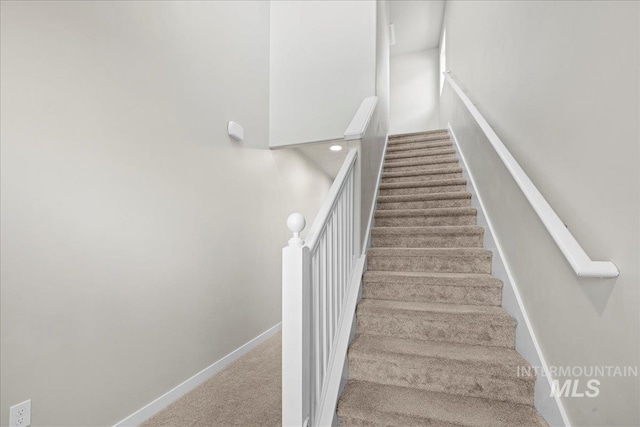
<point x="444" y="377"/>
<point x="451" y="163"/>
<point x="429" y="145"/>
<point x="433" y="177"/>
<point x="414" y="154"/>
<point x="468" y="295"/>
<point x="425" y="221"/>
<point x="422" y="190"/>
<point x="425" y="204"/>
<point x="436" y="264"/>
<point x="419" y="138"/>
<point x="453" y="329"/>
<point x="420" y="151"/>
<point x="392" y="420"/>
<point x="429" y="159"/>
<point x="427" y="241"/>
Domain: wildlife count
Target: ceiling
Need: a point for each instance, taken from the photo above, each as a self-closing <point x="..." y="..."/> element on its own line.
<point x="329" y="161"/>
<point x="417" y="24"/>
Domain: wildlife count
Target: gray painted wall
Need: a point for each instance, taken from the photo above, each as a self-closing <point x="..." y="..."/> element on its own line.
<point x="558" y="82"/>
<point x="139" y="243"/>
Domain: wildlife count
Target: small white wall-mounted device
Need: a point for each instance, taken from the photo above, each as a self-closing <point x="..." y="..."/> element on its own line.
<point x="235" y="131"/>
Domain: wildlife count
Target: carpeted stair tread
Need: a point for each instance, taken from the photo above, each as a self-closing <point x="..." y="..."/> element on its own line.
<point x="386" y="213"/>
<point x="460" y="369"/>
<point x="431" y="137"/>
<point x="445" y="161"/>
<point x="418" y="145"/>
<point x="372" y="404"/>
<point x="400" y="139"/>
<point x="421" y="161"/>
<point x="441" y="171"/>
<point x="441" y="236"/>
<point x="449" y="199"/>
<point x="498" y="361"/>
<point x="443" y="288"/>
<point x="423" y="197"/>
<point x="447" y="216"/>
<point x="419" y="184"/>
<point x="442" y="260"/>
<point x="455" y="323"/>
<point x="399" y="309"/>
<point x="431" y="134"/>
<point x="472" y="230"/>
<point x="420" y="153"/>
<point x="415" y="252"/>
<point x="422" y="132"/>
<point x="431" y="278"/>
<point x="417" y="187"/>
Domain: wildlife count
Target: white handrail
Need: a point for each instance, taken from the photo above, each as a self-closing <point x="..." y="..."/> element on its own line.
<point x="577" y="257"/>
<point x="360" y="121"/>
<point x="330" y="200"/>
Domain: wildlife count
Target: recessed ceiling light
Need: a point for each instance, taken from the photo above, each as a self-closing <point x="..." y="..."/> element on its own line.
<point x="335" y="148"/>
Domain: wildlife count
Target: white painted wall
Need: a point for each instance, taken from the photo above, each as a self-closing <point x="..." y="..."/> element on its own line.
<point x="374" y="140"/>
<point x="415" y="92"/>
<point x="139" y="243"/>
<point x="323" y="61"/>
<point x="558" y="82"/>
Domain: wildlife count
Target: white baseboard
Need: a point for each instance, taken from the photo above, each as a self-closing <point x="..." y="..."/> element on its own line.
<point x="551" y="408"/>
<point x="180" y="390"/>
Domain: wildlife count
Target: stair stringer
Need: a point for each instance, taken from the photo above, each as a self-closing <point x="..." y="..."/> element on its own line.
<point x="550" y="408"/>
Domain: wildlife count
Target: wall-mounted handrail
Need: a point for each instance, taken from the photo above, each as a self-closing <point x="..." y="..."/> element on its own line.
<point x="577" y="257"/>
<point x="360" y="121"/>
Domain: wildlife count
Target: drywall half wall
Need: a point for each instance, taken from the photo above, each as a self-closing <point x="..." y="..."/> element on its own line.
<point x="558" y="82"/>
<point x="415" y="92"/>
<point x="375" y="139"/>
<point x="323" y="64"/>
<point x="140" y="244"/>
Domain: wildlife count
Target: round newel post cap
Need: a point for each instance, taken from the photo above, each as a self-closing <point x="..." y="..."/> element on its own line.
<point x="296" y="224"/>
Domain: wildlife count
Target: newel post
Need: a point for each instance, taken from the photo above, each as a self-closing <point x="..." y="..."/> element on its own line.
<point x="296" y="322"/>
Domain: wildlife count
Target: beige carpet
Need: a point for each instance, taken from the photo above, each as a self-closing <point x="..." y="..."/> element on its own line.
<point x="247" y="392"/>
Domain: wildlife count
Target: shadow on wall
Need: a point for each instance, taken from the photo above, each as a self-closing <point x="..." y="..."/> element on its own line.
<point x="299" y="185"/>
<point x="598" y="292"/>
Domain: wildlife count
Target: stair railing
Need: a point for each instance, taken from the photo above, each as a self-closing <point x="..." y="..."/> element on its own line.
<point x="321" y="279"/>
<point x="581" y="263"/>
<point x="317" y="276"/>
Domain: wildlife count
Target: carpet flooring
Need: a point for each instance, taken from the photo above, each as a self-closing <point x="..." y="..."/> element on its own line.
<point x="247" y="392"/>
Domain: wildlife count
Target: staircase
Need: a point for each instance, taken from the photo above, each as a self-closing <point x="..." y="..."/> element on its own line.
<point x="432" y="345"/>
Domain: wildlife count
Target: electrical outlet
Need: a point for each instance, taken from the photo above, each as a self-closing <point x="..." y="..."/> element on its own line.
<point x="20" y="414"/>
